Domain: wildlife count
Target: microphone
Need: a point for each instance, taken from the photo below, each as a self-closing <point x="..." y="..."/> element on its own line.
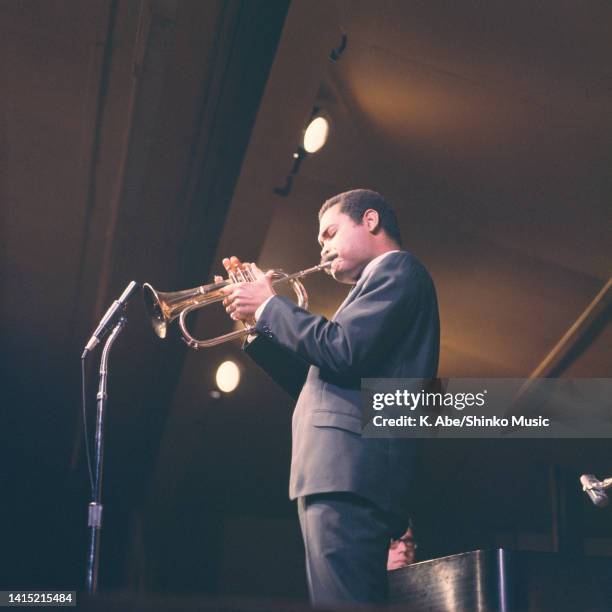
<point x="108" y="320"/>
<point x="594" y="489"/>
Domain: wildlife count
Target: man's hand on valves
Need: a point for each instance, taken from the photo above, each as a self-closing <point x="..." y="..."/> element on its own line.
<point x="253" y="288"/>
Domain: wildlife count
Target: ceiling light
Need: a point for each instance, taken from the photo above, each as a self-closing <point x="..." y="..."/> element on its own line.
<point x="316" y="134"/>
<point x="228" y="376"/>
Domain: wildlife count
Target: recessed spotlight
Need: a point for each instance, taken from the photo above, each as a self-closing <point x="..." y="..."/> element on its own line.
<point x="228" y="376"/>
<point x="316" y="134"/>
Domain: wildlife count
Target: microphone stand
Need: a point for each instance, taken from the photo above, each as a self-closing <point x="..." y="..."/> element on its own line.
<point x="94" y="521"/>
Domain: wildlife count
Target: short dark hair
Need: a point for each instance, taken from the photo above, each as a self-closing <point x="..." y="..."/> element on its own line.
<point x="354" y="203"/>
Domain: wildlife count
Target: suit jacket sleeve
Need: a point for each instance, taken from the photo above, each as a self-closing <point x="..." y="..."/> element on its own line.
<point x="285" y="368"/>
<point x="362" y="331"/>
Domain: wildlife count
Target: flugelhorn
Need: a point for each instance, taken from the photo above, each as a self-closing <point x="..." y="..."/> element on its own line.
<point x="165" y="307"/>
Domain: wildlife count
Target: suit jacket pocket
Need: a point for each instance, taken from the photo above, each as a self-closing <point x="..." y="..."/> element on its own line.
<point x="326" y="418"/>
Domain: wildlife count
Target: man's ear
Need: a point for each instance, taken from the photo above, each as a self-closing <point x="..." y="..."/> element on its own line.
<point x="371" y="218"/>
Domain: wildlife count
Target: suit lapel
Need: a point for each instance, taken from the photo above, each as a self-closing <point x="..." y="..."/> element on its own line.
<point x="349" y="297"/>
<point x="345" y="302"/>
<point x="351" y="294"/>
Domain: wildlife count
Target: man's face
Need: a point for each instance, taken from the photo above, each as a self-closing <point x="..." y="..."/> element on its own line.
<point x="402" y="552"/>
<point x="348" y="243"/>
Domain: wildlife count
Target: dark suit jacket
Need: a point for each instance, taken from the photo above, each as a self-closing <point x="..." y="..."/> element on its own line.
<point x="387" y="328"/>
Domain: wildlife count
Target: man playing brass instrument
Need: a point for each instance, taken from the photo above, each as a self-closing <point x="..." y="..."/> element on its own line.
<point x="353" y="493"/>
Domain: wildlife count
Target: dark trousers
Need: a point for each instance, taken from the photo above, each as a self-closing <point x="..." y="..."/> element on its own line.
<point x="346" y="538"/>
